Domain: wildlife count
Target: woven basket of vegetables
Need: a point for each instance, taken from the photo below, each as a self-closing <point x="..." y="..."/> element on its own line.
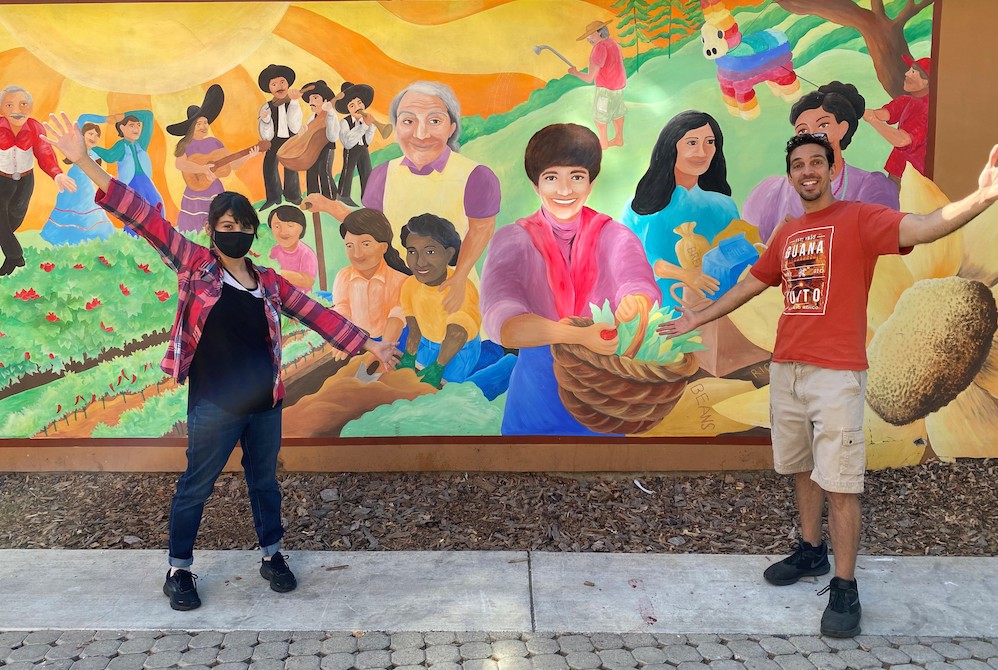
<point x="632" y="390"/>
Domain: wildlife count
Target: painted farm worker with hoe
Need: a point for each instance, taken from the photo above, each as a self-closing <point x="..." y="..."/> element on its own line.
<point x="824" y="263"/>
<point x="227" y="340"/>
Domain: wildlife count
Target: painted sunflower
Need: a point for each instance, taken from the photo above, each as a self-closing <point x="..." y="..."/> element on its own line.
<point x="933" y="379"/>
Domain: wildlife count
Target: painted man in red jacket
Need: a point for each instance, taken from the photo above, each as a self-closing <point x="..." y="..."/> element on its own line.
<point x="20" y="146"/>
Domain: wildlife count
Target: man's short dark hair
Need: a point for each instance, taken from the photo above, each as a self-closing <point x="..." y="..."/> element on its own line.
<point x="819" y="139"/>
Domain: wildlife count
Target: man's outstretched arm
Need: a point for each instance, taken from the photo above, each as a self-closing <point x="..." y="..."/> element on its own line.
<point x="691" y="319"/>
<point x="923" y="228"/>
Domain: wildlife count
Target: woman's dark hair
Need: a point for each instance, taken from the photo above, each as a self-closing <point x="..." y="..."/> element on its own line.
<point x="237" y="203"/>
<point x="288" y="213"/>
<point x="654" y="191"/>
<point x="843" y="101"/>
<point x="127" y="119"/>
<point x="433" y="226"/>
<point x="185" y="140"/>
<point x="562" y="144"/>
<point x="374" y="223"/>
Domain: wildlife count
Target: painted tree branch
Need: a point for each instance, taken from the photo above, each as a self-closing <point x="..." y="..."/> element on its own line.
<point x="884" y="36"/>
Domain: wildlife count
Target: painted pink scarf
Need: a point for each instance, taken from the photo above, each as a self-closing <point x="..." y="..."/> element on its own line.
<point x="570" y="281"/>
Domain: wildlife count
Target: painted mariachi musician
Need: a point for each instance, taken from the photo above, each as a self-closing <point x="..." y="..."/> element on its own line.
<point x="203" y="159"/>
<point x="280" y="119"/>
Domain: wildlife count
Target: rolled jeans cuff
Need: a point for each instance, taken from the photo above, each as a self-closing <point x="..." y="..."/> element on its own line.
<point x="181" y="562"/>
<point x="271" y="549"/>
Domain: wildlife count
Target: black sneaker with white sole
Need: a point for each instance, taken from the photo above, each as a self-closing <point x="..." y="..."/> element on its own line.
<point x="807" y="561"/>
<point x="181" y="587"/>
<point x="841" y="616"/>
<point x="277" y="572"/>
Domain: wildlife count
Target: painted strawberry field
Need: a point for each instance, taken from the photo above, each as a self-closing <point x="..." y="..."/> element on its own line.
<point x="83" y="334"/>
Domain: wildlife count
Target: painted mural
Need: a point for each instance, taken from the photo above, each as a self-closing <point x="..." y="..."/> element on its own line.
<point x="425" y="169"/>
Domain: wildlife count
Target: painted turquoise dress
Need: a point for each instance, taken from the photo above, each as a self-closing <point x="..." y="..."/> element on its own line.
<point x="75" y="218"/>
<point x="711" y="211"/>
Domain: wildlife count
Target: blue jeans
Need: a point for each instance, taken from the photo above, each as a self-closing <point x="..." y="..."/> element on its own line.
<point x="212" y="434"/>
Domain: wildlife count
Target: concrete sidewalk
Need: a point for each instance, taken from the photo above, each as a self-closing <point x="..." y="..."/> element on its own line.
<point x="523" y="592"/>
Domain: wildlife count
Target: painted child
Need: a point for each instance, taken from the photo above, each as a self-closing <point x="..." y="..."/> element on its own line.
<point x="298" y="262"/>
<point x="445" y="346"/>
<point x="368" y="291"/>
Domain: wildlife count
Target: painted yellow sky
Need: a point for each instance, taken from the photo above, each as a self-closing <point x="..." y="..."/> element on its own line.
<point x="142" y="48"/>
<point x="493" y="40"/>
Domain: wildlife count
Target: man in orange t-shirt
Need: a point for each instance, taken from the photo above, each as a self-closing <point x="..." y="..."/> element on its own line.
<point x="824" y="262"/>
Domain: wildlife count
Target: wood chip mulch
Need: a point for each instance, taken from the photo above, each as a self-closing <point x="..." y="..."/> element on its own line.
<point x="931" y="509"/>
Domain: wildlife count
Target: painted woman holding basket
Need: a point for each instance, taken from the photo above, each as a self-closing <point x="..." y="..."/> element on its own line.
<point x="549" y="267"/>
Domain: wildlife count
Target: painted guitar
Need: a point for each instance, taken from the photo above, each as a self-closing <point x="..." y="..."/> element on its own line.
<point x="220" y="164"/>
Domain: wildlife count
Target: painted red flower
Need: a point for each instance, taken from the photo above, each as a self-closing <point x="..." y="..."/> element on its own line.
<point x="93" y="303"/>
<point x="124" y="289"/>
<point x="27" y="294"/>
<point x="48" y="267"/>
<point x="51" y="356"/>
<point x="27" y="356"/>
<point x="58" y="408"/>
<point x="106" y="329"/>
<point x="144" y="267"/>
<point x="163" y="296"/>
<point x="104" y="261"/>
<point x="254" y="254"/>
<point x="79" y="266"/>
<point x="51" y="317"/>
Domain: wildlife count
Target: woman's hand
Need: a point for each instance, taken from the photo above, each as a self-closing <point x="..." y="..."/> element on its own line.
<point x="631" y="306"/>
<point x="600" y="338"/>
<point x="65" y="183"/>
<point x="65" y="136"/>
<point x="319" y="203"/>
<point x="701" y="282"/>
<point x="384" y="352"/>
<point x="453" y="288"/>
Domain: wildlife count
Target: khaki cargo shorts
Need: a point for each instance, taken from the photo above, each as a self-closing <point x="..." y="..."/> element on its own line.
<point x="816" y="416"/>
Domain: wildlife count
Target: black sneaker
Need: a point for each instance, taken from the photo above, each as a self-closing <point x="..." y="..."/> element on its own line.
<point x="807" y="561"/>
<point x="182" y="589"/>
<point x="842" y="615"/>
<point x="277" y="572"/>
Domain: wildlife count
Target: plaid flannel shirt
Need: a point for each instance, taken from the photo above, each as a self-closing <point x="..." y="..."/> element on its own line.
<point x="199" y="285"/>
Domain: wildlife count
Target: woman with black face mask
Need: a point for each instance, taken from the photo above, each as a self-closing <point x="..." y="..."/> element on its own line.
<point x="227" y="339"/>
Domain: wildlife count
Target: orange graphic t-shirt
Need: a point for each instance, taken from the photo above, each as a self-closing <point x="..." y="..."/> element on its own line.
<point x="824" y="264"/>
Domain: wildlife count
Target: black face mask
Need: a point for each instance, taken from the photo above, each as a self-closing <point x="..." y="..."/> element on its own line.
<point x="233" y="244"/>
